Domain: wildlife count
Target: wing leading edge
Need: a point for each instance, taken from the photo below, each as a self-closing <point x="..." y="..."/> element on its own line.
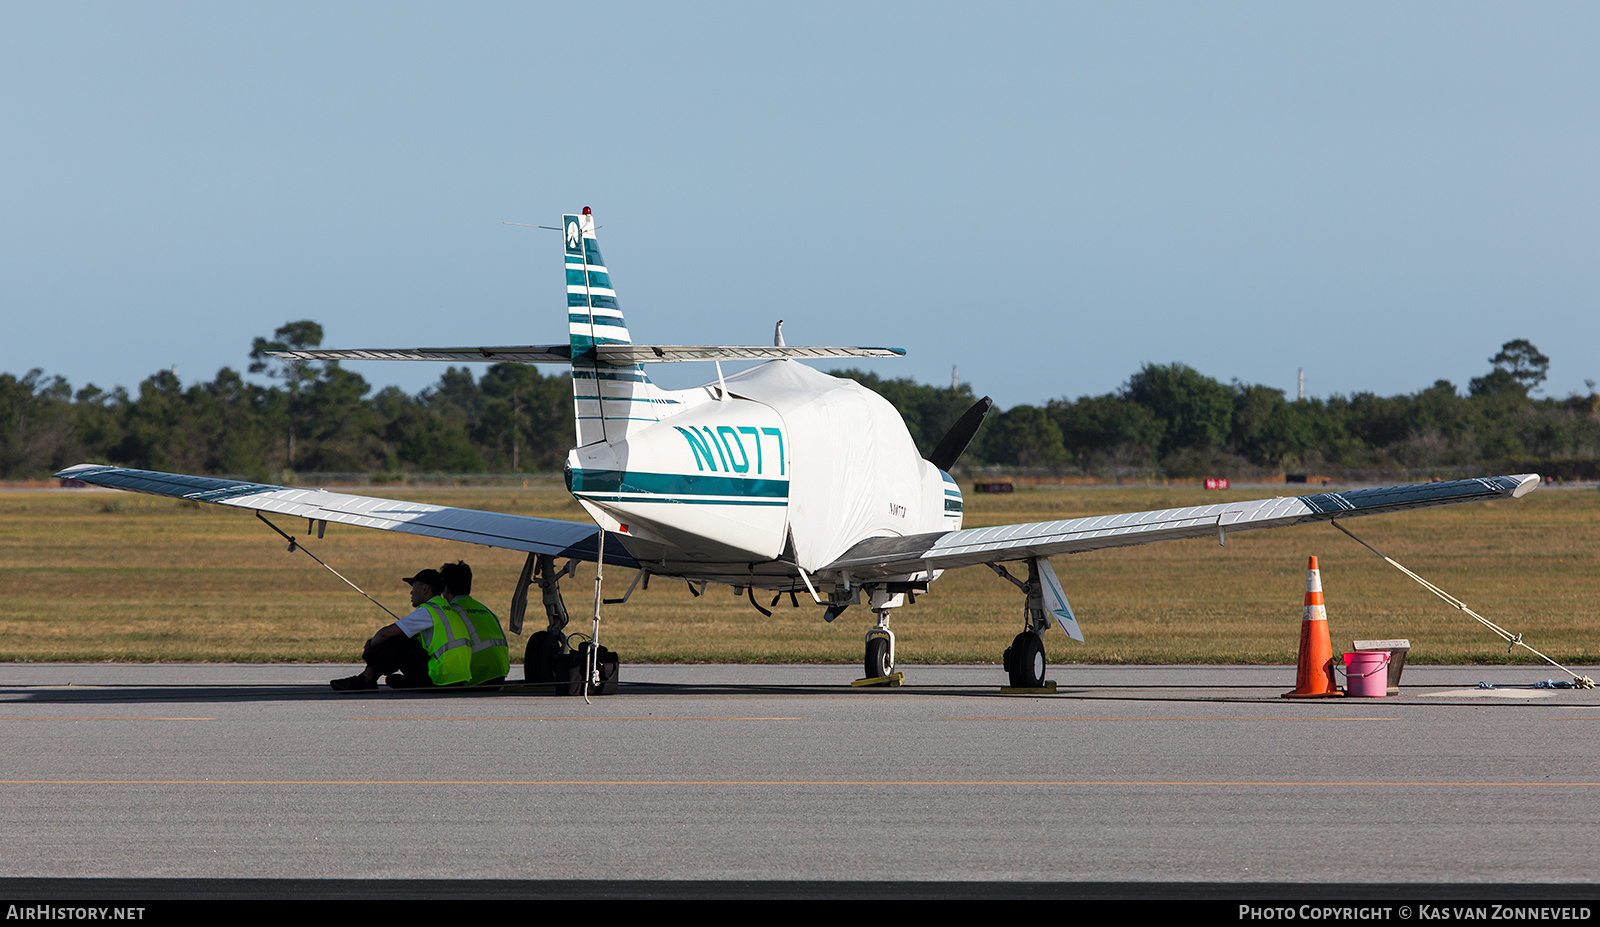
<point x="881" y="557"/>
<point x="491" y="529"/>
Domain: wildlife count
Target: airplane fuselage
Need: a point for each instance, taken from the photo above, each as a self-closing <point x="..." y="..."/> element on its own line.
<point x="787" y="468"/>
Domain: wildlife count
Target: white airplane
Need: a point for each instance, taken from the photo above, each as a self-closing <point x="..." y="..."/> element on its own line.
<point x="777" y="478"/>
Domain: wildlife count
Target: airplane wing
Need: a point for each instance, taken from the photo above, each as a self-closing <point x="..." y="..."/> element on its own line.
<point x="878" y="557"/>
<point x="491" y="529"/>
<point x="622" y="355"/>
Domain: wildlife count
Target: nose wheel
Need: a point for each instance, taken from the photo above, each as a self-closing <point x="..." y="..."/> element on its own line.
<point x="880" y="658"/>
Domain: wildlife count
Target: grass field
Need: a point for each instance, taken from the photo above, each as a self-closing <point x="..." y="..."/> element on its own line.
<point x="114" y="576"/>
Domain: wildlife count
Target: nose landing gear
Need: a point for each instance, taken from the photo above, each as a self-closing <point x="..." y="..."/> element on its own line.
<point x="879" y="661"/>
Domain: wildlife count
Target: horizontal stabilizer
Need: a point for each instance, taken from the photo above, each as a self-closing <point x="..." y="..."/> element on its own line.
<point x="891" y="556"/>
<point x="516" y="354"/>
<point x="625" y="354"/>
<point x="619" y="355"/>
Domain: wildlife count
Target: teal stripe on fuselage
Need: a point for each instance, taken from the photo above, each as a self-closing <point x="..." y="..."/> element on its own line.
<point x="682" y="500"/>
<point x="674" y="484"/>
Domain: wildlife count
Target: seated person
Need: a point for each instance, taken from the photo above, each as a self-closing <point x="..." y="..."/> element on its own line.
<point x="491" y="658"/>
<point x="430" y="646"/>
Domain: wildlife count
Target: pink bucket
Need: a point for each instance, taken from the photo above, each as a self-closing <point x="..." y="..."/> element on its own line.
<point x="1366" y="673"/>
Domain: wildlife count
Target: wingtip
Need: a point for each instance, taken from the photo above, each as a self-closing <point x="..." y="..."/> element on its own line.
<point x="1526" y="483"/>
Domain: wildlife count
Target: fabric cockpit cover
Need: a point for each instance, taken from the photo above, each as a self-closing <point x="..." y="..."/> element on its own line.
<point x="850" y="457"/>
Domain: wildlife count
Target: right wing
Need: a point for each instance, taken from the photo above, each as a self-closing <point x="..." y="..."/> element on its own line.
<point x="491" y="529"/>
<point x="893" y="556"/>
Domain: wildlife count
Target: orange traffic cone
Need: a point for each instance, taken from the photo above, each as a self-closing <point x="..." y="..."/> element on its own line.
<point x="1315" y="676"/>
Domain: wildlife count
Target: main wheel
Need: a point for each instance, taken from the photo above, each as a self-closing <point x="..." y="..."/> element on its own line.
<point x="1025" y="661"/>
<point x="877" y="663"/>
<point x="538" y="665"/>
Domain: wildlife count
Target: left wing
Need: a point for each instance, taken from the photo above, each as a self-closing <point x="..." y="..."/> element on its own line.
<point x="491" y="529"/>
<point x="879" y="557"/>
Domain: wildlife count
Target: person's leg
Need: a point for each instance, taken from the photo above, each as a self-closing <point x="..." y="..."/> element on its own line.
<point x="411" y="666"/>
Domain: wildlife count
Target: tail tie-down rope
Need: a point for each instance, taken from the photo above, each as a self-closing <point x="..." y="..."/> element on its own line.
<point x="1513" y="641"/>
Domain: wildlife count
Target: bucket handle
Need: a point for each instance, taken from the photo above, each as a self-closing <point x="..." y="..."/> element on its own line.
<point x="1381" y="666"/>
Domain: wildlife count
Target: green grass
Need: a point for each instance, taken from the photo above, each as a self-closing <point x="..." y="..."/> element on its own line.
<point x="92" y="576"/>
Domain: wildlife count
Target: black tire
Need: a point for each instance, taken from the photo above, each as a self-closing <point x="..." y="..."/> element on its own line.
<point x="538" y="664"/>
<point x="877" y="663"/>
<point x="1026" y="661"/>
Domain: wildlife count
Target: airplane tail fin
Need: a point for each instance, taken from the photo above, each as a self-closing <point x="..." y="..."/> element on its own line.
<point x="608" y="400"/>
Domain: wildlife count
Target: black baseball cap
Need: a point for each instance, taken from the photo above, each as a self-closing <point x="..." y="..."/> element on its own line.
<point x="431" y="577"/>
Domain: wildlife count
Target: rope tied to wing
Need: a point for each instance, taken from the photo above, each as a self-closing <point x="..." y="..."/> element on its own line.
<point x="295" y="545"/>
<point x="1512" y="640"/>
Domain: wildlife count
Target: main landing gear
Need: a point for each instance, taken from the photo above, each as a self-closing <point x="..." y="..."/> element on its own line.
<point x="547" y="647"/>
<point x="1024" y="660"/>
<point x="550" y="657"/>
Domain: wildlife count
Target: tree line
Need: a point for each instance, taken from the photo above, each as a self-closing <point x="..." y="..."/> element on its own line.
<point x="1172" y="420"/>
<point x="1166" y="420"/>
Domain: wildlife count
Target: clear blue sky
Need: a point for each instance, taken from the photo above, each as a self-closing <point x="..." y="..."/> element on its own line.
<point x="1047" y="195"/>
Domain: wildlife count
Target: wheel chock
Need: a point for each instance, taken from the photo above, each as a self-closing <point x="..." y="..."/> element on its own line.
<point x="1049" y="688"/>
<point x="893" y="679"/>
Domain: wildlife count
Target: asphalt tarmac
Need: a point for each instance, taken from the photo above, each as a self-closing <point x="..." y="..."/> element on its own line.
<point x="1126" y="776"/>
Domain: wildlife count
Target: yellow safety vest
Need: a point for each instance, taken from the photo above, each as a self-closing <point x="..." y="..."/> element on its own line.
<point x="491" y="658"/>
<point x="448" y="643"/>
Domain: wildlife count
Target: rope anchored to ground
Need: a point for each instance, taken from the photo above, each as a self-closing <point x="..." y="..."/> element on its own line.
<point x="1513" y="641"/>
